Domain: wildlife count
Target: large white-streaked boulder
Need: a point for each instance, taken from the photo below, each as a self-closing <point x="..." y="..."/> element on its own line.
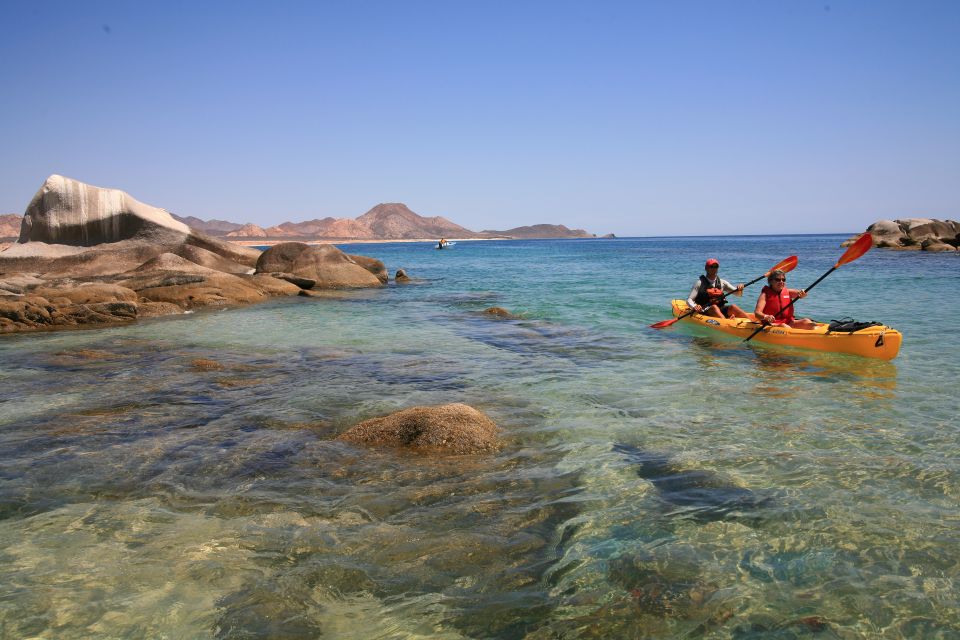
<point x="70" y="212"/>
<point x="72" y="228"/>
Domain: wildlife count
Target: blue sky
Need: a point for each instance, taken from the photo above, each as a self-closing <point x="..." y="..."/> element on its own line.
<point x="637" y="118"/>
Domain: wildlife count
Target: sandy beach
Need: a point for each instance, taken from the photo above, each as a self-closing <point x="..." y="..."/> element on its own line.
<point x="273" y="241"/>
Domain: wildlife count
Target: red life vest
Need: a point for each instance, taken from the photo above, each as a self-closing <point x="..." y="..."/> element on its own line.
<point x="775" y="304"/>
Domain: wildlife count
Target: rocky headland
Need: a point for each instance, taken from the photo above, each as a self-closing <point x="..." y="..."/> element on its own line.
<point x="914" y="234"/>
<point x="87" y="255"/>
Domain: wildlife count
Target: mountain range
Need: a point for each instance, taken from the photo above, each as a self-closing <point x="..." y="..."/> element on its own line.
<point x="387" y="221"/>
<point x="10" y="225"/>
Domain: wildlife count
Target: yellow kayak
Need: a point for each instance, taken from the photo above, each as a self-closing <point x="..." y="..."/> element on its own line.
<point x="873" y="342"/>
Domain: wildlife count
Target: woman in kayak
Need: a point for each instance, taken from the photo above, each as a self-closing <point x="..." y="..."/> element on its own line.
<point x="707" y="294"/>
<point x="773" y="305"/>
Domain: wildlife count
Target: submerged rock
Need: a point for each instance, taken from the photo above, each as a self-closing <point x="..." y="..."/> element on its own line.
<point x="703" y="496"/>
<point x="450" y="428"/>
<point x="499" y="312"/>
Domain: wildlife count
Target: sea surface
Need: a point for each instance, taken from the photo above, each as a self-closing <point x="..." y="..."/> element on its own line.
<point x="179" y="478"/>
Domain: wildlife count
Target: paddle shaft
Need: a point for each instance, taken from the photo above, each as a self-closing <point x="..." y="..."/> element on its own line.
<point x="792" y="300"/>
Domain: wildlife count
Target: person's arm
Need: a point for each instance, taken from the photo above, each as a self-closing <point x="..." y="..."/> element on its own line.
<point x="796" y="294"/>
<point x="758" y="311"/>
<point x="729" y="288"/>
<point x="693" y="295"/>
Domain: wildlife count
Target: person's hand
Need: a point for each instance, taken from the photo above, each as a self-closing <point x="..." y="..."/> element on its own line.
<point x="739" y="291"/>
<point x="801" y="293"/>
<point x="697" y="308"/>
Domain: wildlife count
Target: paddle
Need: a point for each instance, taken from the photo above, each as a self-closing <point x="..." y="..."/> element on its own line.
<point x="787" y="265"/>
<point x="860" y="246"/>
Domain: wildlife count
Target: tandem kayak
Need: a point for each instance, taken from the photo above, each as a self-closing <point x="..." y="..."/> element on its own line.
<point x="872" y="342"/>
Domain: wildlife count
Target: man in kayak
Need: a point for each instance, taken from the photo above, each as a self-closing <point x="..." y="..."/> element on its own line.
<point x="773" y="305"/>
<point x="442" y="243"/>
<point x="707" y="294"/>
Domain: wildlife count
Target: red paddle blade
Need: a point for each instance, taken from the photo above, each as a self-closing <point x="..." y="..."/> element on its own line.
<point x="857" y="249"/>
<point x="786" y="266"/>
<point x="663" y="323"/>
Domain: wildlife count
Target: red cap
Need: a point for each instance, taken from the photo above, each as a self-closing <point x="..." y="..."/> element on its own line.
<point x="712" y="262"/>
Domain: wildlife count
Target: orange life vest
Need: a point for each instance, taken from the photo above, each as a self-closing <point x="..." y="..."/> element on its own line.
<point x="708" y="295"/>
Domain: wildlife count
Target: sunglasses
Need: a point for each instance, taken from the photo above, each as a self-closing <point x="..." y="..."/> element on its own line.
<point x="779" y="280"/>
<point x="714" y="266"/>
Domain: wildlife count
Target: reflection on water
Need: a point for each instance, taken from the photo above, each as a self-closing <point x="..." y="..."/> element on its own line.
<point x="772" y="367"/>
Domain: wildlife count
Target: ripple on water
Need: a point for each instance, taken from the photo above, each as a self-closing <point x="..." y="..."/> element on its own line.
<point x="181" y="478"/>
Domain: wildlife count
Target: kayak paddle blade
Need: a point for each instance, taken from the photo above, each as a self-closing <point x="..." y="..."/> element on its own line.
<point x="663" y="324"/>
<point x="857" y="249"/>
<point x="786" y="266"/>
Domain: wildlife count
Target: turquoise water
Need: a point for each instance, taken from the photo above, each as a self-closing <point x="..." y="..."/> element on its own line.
<point x="652" y="484"/>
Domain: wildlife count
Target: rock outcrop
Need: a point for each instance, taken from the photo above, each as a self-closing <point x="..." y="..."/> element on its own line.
<point x="71" y="228"/>
<point x="69" y="212"/>
<point x="324" y="264"/>
<point x="88" y="255"/>
<point x="449" y="428"/>
<point x="924" y="234"/>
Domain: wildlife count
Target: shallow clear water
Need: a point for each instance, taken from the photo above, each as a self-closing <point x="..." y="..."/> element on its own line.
<point x="651" y="483"/>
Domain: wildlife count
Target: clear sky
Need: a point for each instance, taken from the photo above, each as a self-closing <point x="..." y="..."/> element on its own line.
<point x="636" y="117"/>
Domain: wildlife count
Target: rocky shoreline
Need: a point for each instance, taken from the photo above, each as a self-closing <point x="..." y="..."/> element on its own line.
<point x="914" y="234"/>
<point x="89" y="256"/>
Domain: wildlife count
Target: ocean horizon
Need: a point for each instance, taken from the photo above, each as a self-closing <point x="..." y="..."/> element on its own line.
<point x="180" y="477"/>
